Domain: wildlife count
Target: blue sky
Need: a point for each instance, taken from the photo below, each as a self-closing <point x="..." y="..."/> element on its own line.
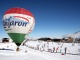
<point x="53" y="18"/>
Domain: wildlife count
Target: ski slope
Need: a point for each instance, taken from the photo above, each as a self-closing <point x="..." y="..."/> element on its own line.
<point x="21" y="55"/>
<point x="35" y="55"/>
<point x="27" y="53"/>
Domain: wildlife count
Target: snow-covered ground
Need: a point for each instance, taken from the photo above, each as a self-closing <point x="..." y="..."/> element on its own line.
<point x="7" y="45"/>
<point x="35" y="50"/>
<point x="71" y="48"/>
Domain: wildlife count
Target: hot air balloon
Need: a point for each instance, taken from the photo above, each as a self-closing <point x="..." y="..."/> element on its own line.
<point x="18" y="22"/>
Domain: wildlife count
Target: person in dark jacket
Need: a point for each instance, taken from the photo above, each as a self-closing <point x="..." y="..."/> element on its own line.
<point x="53" y="49"/>
<point x="65" y="49"/>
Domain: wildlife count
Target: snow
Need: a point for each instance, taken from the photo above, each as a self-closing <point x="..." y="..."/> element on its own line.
<point x="38" y="50"/>
<point x="71" y="48"/>
<point x="8" y="46"/>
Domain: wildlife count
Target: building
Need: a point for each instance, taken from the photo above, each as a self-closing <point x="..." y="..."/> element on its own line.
<point x="5" y="40"/>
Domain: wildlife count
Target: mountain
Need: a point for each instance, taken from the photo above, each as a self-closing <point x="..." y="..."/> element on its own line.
<point x="74" y="35"/>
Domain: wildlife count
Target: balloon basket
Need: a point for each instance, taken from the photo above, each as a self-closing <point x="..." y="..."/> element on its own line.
<point x="18" y="49"/>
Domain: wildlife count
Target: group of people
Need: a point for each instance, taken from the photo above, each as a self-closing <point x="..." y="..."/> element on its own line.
<point x="45" y="47"/>
<point x="52" y="47"/>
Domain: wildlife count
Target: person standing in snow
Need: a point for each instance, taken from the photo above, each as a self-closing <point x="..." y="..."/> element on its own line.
<point x="79" y="50"/>
<point x="57" y="49"/>
<point x="37" y="47"/>
<point x="65" y="49"/>
<point x="53" y="49"/>
<point x="44" y="45"/>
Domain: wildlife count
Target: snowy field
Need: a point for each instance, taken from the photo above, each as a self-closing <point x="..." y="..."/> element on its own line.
<point x="34" y="50"/>
<point x="55" y="47"/>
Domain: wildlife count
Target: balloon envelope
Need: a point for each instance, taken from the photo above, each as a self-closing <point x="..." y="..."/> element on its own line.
<point x="18" y="22"/>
